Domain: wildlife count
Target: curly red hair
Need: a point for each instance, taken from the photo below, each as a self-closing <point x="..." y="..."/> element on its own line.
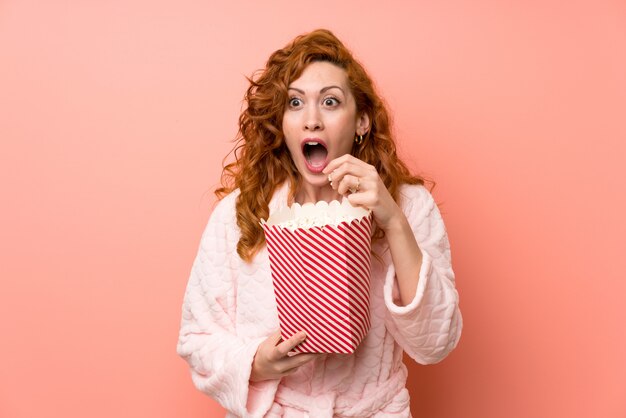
<point x="262" y="160"/>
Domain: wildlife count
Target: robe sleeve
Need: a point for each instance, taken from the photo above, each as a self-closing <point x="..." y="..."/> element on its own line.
<point x="219" y="359"/>
<point x="429" y="327"/>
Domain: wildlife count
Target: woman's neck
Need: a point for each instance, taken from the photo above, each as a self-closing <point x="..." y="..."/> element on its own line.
<point x="308" y="193"/>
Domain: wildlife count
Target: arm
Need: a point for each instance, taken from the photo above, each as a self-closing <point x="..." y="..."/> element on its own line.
<point x="422" y="302"/>
<point x="406" y="255"/>
<point x="349" y="174"/>
<point x="220" y="360"/>
<point x="429" y="326"/>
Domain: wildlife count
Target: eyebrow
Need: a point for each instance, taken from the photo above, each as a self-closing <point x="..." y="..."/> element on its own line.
<point x="321" y="91"/>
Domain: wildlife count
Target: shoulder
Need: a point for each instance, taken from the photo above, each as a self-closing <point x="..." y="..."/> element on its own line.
<point x="224" y="214"/>
<point x="417" y="203"/>
<point x="227" y="203"/>
<point x="411" y="195"/>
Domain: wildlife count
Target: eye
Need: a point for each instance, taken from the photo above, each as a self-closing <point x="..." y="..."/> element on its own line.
<point x="295" y="102"/>
<point x="331" y="101"/>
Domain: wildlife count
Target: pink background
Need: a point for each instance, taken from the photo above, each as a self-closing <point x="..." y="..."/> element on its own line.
<point x="115" y="117"/>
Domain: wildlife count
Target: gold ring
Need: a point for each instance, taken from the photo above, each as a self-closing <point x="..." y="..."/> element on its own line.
<point x="355" y="188"/>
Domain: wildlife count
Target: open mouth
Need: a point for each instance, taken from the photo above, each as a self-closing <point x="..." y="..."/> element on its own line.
<point x="315" y="153"/>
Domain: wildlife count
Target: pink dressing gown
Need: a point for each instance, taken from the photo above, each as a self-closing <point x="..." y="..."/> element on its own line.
<point x="229" y="309"/>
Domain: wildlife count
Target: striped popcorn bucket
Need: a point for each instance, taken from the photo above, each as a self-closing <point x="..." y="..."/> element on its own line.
<point x="321" y="274"/>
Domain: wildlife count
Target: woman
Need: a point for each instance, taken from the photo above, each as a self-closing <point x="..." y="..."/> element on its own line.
<point x="315" y="129"/>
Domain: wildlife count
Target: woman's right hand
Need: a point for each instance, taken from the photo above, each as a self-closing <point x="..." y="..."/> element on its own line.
<point x="272" y="360"/>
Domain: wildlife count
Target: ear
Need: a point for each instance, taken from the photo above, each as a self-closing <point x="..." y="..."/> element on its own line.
<point x="362" y="124"/>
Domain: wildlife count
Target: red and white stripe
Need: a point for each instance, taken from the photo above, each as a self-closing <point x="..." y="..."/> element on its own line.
<point x="321" y="279"/>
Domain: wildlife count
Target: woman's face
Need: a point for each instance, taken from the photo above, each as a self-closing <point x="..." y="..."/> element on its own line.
<point x="320" y="120"/>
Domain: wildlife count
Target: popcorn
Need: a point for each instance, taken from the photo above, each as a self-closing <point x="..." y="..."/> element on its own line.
<point x="313" y="221"/>
<point x="320" y="262"/>
<point x="319" y="214"/>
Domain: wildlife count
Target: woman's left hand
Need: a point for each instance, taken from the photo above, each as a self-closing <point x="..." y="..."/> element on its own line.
<point x="363" y="186"/>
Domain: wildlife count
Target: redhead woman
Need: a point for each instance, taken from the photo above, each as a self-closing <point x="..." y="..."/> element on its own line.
<point x="315" y="129"/>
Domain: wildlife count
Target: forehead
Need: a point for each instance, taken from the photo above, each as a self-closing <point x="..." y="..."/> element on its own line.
<point x="321" y="74"/>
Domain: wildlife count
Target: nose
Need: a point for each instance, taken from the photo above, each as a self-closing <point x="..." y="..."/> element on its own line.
<point x="313" y="120"/>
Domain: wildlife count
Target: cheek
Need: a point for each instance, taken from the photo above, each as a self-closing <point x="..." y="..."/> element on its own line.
<point x="289" y="123"/>
<point x="347" y="126"/>
<point x="288" y="136"/>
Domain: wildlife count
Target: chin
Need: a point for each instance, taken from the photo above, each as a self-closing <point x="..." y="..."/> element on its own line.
<point x="317" y="180"/>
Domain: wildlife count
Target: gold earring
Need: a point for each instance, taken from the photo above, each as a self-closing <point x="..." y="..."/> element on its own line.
<point x="358" y="139"/>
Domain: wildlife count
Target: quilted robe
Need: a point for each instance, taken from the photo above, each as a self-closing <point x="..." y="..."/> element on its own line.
<point x="229" y="309"/>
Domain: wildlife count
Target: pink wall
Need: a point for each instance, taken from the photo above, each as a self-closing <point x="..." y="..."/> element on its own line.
<point x="114" y="119"/>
